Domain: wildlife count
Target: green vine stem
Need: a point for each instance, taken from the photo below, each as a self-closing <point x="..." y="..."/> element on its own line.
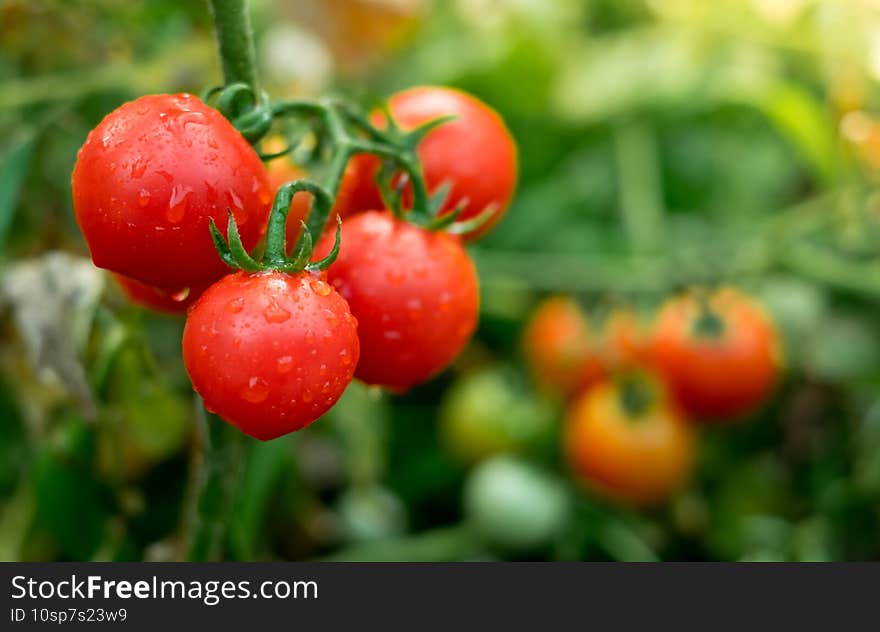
<point x="216" y="466"/>
<point x="235" y="41"/>
<point x="217" y="455"/>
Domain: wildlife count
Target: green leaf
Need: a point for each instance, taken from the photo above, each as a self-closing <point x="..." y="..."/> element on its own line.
<point x="13" y="169"/>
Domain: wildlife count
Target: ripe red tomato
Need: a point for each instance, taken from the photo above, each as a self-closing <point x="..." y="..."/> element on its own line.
<point x="562" y="351"/>
<point x="414" y="292"/>
<point x="358" y="191"/>
<point x="626" y="440"/>
<point x="154" y="298"/>
<point x="721" y="358"/>
<point x="149" y="177"/>
<point x="270" y="352"/>
<point x="475" y="153"/>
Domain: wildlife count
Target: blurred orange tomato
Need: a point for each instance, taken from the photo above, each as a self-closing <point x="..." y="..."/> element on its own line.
<point x="625" y="439"/>
<point x="561" y="349"/>
<point x="719" y="353"/>
<point x="624" y="340"/>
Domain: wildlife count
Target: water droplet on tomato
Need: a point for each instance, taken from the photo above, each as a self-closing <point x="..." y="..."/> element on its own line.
<point x="284" y="364"/>
<point x="307" y="397"/>
<point x="390" y="334"/>
<point x="332" y="318"/>
<point x="320" y="287"/>
<point x="235" y="305"/>
<point x="143" y="198"/>
<point x="345" y="358"/>
<point x="138" y="167"/>
<point x="257" y="391"/>
<point x="180" y="295"/>
<point x="322" y="370"/>
<point x="274" y="313"/>
<point x="178" y="203"/>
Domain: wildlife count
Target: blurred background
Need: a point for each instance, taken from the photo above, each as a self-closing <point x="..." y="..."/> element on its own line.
<point x="662" y="143"/>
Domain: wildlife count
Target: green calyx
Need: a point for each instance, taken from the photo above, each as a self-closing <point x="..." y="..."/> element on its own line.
<point x="637" y="395"/>
<point x="329" y="132"/>
<point x="707" y="324"/>
<point x="275" y="257"/>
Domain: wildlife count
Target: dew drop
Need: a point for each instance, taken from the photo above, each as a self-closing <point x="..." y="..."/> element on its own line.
<point x="177" y="204"/>
<point x="256" y="391"/>
<point x="274" y="313"/>
<point x="138" y="167"/>
<point x="332" y="318"/>
<point x="235" y="305"/>
<point x="284" y="364"/>
<point x="345" y="358"/>
<point x="180" y="295"/>
<point x="390" y="334"/>
<point x="307" y="397"/>
<point x="143" y="198"/>
<point x="320" y="287"/>
<point x="234" y="199"/>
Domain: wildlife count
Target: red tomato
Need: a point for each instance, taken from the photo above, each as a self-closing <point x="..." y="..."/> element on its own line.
<point x="414" y="292"/>
<point x="270" y="352"/>
<point x="475" y="153"/>
<point x="149" y="177"/>
<point x="626" y="440"/>
<point x="721" y="358"/>
<point x="156" y="299"/>
<point x="358" y="191"/>
<point x="564" y="355"/>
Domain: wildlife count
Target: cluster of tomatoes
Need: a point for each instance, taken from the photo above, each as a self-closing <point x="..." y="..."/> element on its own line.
<point x="270" y="348"/>
<point x="636" y="390"/>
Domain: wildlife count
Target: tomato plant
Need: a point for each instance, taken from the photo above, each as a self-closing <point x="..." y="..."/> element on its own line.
<point x="473" y="153"/>
<point x="414" y="292"/>
<point x="719" y="352"/>
<point x="626" y="439"/>
<point x="149" y="178"/>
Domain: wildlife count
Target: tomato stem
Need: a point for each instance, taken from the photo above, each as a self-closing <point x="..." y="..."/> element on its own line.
<point x="235" y="41"/>
<point x="216" y="461"/>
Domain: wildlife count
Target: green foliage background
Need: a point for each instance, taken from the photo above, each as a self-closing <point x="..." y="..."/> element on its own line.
<point x="662" y="143"/>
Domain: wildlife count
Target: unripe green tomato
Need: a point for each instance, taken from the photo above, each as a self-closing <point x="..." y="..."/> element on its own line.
<point x="485" y="413"/>
<point x="371" y="513"/>
<point x="514" y="505"/>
